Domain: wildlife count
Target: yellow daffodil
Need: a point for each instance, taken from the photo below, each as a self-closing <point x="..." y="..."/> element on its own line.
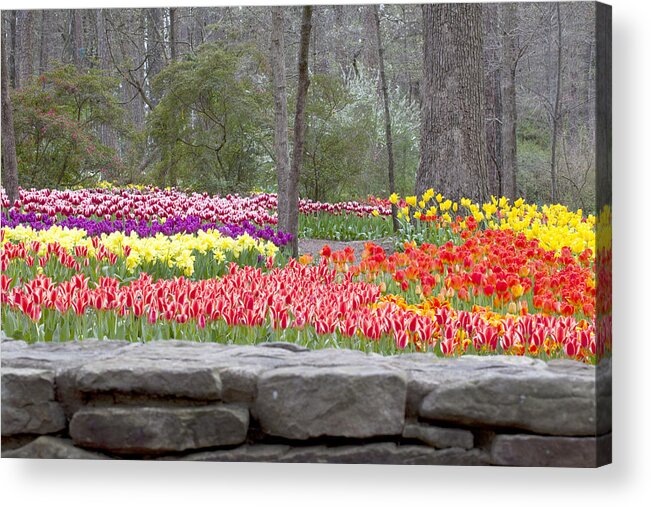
<point x="175" y="251"/>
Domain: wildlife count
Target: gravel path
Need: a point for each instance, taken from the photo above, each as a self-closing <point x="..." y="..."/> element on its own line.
<point x="314" y="246"/>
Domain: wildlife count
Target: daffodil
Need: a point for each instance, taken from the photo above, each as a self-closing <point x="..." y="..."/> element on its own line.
<point x="174" y="251"/>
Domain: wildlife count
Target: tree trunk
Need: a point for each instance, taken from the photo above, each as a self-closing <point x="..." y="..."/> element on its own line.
<point x="107" y="135"/>
<point x="12" y="52"/>
<point x="155" y="49"/>
<point x="134" y="52"/>
<point x="77" y="39"/>
<point x="174" y="27"/>
<point x="103" y="54"/>
<point x="509" y="111"/>
<point x="25" y="47"/>
<point x="492" y="97"/>
<point x="9" y="162"/>
<point x="369" y="53"/>
<point x="557" y="107"/>
<point x="281" y="141"/>
<point x="453" y="147"/>
<point x="387" y="115"/>
<point x="44" y="46"/>
<point x="299" y="126"/>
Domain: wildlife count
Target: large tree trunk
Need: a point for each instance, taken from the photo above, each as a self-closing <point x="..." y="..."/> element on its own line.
<point x="453" y="147"/>
<point x="9" y="163"/>
<point x="509" y="111"/>
<point x="387" y="115"/>
<point x="281" y="141"/>
<point x="299" y="126"/>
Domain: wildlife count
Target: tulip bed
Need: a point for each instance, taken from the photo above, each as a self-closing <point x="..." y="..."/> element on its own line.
<point x="144" y="264"/>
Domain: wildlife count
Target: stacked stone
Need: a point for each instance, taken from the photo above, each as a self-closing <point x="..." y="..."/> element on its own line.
<point x="282" y="403"/>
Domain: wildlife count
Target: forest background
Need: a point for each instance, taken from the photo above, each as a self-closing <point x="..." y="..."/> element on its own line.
<point x="183" y="97"/>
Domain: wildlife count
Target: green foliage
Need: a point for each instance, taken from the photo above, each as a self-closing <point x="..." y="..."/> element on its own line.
<point x="533" y="178"/>
<point x="575" y="166"/>
<point x="343" y="227"/>
<point x="533" y="130"/>
<point x="339" y="137"/>
<point x="345" y="154"/>
<point x="212" y="123"/>
<point x="57" y="120"/>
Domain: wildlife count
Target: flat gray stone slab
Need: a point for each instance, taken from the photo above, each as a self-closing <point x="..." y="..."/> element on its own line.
<point x="149" y="377"/>
<point x="439" y="437"/>
<point x="386" y="453"/>
<point x="258" y="453"/>
<point x="25" y="386"/>
<point x="374" y="453"/>
<point x="345" y="401"/>
<point x="152" y="430"/>
<point x="537" y="401"/>
<point x="52" y="356"/>
<point x="46" y="447"/>
<point x="28" y="405"/>
<point x="539" y="451"/>
<point x="37" y="418"/>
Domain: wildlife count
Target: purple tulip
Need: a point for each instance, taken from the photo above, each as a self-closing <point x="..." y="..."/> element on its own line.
<point x="174" y="225"/>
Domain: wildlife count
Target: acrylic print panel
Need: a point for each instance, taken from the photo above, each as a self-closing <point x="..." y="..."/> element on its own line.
<point x="372" y="234"/>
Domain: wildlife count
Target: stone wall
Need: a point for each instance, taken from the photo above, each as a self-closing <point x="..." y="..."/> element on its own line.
<point x="281" y="403"/>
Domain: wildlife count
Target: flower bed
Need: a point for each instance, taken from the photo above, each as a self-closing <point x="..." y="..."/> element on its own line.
<point x="146" y="264"/>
